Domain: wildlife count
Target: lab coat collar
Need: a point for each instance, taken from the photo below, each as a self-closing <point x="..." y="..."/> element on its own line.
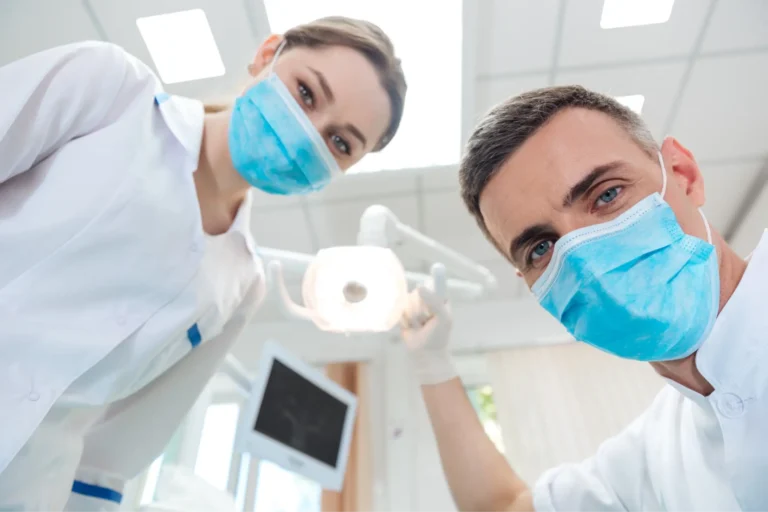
<point x="731" y="356"/>
<point x="185" y="117"/>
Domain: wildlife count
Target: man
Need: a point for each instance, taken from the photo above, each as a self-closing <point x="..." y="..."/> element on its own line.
<point x="605" y="227"/>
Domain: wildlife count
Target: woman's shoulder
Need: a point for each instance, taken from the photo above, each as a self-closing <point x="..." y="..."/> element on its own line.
<point x="104" y="62"/>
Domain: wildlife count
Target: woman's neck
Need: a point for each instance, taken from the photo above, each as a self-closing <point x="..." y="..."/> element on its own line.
<point x="220" y="188"/>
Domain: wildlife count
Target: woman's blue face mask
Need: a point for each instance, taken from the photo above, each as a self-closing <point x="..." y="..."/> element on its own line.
<point x="274" y="145"/>
<point x="637" y="286"/>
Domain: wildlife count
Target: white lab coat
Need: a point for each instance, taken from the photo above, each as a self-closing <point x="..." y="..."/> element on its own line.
<point x="687" y="451"/>
<point x="115" y="307"/>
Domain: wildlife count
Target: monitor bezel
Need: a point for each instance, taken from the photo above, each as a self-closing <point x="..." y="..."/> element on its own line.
<point x="261" y="446"/>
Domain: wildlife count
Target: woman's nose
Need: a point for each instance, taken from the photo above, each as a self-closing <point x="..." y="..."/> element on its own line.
<point x="320" y="120"/>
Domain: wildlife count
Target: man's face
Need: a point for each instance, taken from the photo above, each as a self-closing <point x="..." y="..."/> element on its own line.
<point x="581" y="169"/>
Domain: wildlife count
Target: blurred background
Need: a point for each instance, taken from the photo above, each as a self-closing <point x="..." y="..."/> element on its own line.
<point x="695" y="69"/>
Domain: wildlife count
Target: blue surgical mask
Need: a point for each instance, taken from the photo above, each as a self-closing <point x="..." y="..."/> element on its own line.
<point x="637" y="286"/>
<point x="274" y="145"/>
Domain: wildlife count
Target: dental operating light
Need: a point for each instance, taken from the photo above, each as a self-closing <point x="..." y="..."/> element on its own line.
<point x="349" y="289"/>
<point x="363" y="288"/>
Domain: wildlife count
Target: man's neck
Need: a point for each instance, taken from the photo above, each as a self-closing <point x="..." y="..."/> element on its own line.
<point x="684" y="371"/>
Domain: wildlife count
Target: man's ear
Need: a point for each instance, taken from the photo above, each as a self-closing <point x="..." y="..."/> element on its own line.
<point x="265" y="54"/>
<point x="683" y="169"/>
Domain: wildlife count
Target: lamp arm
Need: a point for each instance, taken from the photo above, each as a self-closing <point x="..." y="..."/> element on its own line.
<point x="380" y="227"/>
<point x="288" y="306"/>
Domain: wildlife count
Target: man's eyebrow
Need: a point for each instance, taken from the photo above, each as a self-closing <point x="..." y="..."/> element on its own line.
<point x="581" y="188"/>
<point x="530" y="233"/>
<point x="324" y="85"/>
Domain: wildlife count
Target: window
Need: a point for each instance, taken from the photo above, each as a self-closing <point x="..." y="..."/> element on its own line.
<point x="279" y="490"/>
<point x="213" y="459"/>
<point x="214" y="456"/>
<point x="482" y="400"/>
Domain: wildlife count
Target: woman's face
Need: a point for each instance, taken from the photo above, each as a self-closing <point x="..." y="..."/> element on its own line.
<point x="339" y="90"/>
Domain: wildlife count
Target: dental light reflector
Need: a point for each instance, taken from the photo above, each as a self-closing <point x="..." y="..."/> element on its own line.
<point x="355" y="289"/>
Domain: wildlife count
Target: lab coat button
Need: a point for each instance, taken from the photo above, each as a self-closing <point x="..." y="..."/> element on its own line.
<point x="730" y="405"/>
<point x="33" y="396"/>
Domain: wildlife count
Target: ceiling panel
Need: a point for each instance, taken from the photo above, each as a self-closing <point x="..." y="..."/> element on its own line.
<point x="737" y="24"/>
<point x="585" y="43"/>
<point x="441" y="178"/>
<point x="30" y="26"/>
<point x="229" y="24"/>
<point x="337" y="223"/>
<point x="753" y="230"/>
<point x="447" y="220"/>
<point x="658" y="83"/>
<point x="364" y="185"/>
<point x="727" y="184"/>
<point x="493" y="91"/>
<point x="284" y="228"/>
<point x="724" y="111"/>
<point x="515" y="36"/>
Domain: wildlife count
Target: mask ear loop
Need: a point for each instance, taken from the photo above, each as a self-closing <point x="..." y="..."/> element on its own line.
<point x="664" y="191"/>
<point x="274" y="59"/>
<point x="706" y="226"/>
<point x="663" y="176"/>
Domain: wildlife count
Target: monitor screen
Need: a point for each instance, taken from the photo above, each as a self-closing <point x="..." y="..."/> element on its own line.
<point x="299" y="414"/>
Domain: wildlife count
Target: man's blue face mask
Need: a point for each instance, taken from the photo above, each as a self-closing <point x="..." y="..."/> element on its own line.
<point x="273" y="144"/>
<point x="637" y="286"/>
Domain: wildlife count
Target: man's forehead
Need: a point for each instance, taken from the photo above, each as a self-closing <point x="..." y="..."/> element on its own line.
<point x="536" y="178"/>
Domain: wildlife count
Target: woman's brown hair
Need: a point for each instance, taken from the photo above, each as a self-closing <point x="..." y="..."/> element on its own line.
<point x="364" y="37"/>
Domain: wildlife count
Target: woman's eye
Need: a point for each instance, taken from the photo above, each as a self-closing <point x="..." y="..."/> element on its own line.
<point x="608" y="196"/>
<point x="305" y="93"/>
<point x="340" y="144"/>
<point x="541" y="250"/>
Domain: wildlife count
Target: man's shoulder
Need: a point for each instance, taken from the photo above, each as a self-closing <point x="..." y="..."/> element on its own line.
<point x="667" y="402"/>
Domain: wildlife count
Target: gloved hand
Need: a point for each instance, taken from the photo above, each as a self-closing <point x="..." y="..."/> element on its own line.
<point x="426" y="328"/>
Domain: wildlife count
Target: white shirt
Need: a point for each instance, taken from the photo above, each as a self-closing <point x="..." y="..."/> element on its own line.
<point x="687" y="451"/>
<point x="107" y="280"/>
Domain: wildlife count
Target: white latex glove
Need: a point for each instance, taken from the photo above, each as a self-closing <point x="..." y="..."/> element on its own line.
<point x="426" y="328"/>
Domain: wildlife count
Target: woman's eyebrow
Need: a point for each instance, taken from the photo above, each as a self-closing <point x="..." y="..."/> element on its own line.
<point x="357" y="133"/>
<point x="324" y="85"/>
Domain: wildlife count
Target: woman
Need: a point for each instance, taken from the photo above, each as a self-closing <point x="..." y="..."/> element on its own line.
<point x="127" y="267"/>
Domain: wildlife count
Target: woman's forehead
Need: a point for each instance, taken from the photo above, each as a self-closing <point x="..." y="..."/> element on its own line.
<point x="353" y="80"/>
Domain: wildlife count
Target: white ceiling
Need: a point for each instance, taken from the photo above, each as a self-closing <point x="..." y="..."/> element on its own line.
<point x="704" y="74"/>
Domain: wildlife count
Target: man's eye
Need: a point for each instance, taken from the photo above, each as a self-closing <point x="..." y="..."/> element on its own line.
<point x="607" y="196"/>
<point x="541" y="250"/>
<point x="340" y="144"/>
<point x="305" y="93"/>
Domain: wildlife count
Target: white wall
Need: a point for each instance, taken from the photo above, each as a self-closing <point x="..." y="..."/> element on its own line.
<point x="557" y="404"/>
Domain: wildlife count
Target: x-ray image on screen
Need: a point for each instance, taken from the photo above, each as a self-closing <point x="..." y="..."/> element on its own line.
<point x="299" y="414"/>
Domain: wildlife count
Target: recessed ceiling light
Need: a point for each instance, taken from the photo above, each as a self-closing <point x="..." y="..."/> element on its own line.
<point x="182" y="46"/>
<point x="430" y="131"/>
<point x="630" y="13"/>
<point x="633" y="102"/>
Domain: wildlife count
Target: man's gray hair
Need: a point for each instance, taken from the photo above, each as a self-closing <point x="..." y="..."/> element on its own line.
<point x="508" y="125"/>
